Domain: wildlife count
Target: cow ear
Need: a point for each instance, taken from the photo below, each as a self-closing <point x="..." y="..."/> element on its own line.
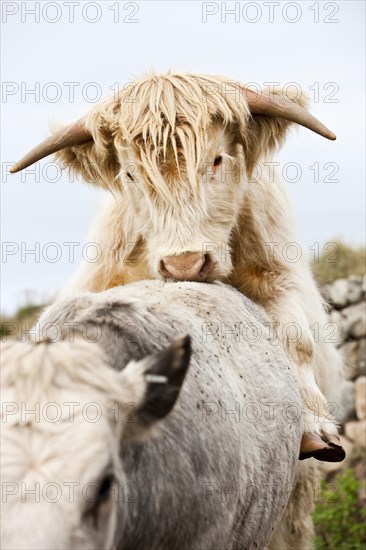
<point x="95" y="161"/>
<point x="264" y="133"/>
<point x="154" y="383"/>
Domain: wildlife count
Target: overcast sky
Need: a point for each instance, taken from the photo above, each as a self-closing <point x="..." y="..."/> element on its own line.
<point x="72" y="53"/>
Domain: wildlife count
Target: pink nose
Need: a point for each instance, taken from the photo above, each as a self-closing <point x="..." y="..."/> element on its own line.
<point x="190" y="266"/>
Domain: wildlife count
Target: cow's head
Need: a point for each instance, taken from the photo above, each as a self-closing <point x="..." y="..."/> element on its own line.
<point x="65" y="416"/>
<point x="181" y="150"/>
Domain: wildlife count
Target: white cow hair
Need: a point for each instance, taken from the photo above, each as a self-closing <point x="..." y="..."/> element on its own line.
<point x="169" y="485"/>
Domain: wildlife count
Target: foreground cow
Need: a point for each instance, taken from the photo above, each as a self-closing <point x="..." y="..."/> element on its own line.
<point x="217" y="472"/>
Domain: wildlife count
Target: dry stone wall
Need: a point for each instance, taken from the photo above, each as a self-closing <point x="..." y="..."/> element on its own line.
<point x="347" y="300"/>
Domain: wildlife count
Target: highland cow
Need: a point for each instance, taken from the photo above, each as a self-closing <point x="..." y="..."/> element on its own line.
<point x="184" y="157"/>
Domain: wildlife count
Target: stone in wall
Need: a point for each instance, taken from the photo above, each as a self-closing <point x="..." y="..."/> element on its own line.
<point x="354" y="355"/>
<point x="344" y="292"/>
<point x="354" y="320"/>
<point x="360" y="397"/>
<point x="356" y="432"/>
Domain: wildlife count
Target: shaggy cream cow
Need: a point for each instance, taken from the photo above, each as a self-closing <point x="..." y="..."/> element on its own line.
<point x="178" y="153"/>
<point x="184" y="156"/>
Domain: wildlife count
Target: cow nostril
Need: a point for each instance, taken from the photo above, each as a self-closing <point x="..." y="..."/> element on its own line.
<point x="207" y="266"/>
<point x="163" y="269"/>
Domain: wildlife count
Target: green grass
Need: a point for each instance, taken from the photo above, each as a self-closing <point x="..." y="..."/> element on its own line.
<point x="339" y="517"/>
<point x="22" y="321"/>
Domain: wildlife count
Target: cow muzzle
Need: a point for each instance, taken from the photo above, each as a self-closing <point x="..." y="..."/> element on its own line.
<point x="190" y="266"/>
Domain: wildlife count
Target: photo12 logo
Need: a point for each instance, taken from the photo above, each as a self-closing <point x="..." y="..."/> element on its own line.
<point x="70" y="12"/>
<point x="270" y="12"/>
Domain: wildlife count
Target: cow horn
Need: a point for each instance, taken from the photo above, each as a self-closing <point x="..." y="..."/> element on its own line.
<point x="264" y="103"/>
<point x="74" y="134"/>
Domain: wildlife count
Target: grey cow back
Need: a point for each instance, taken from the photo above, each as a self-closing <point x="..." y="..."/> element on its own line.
<point x="219" y="472"/>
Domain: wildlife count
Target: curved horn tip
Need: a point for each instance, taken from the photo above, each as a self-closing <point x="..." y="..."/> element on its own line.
<point x="14" y="169"/>
<point x="329" y="135"/>
<point x="326" y="133"/>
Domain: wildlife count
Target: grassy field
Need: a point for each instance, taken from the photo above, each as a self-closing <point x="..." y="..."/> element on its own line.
<point x="339" y="261"/>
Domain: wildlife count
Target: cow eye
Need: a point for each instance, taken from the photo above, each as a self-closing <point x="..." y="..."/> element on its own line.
<point x="105" y="488"/>
<point x="102" y="495"/>
<point x="217" y="161"/>
<point x="129" y="176"/>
